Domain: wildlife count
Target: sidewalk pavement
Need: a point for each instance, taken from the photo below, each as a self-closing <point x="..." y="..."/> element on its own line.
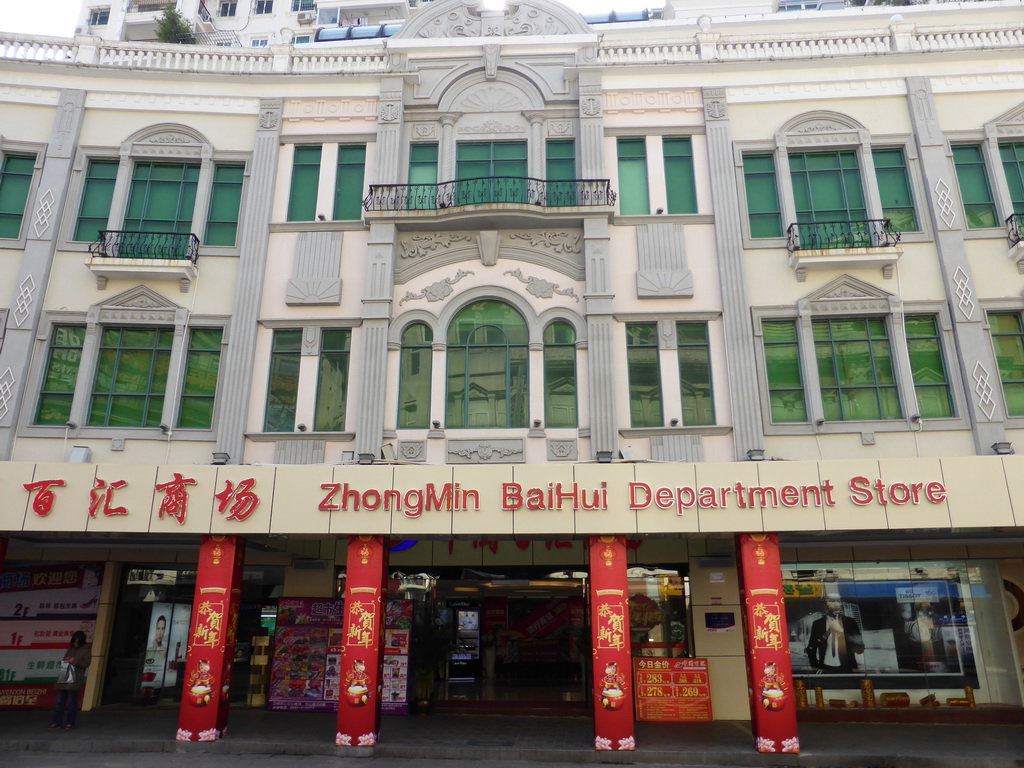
<point x="537" y="739"/>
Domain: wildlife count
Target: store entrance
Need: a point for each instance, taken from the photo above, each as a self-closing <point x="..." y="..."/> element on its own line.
<point x="512" y="644"/>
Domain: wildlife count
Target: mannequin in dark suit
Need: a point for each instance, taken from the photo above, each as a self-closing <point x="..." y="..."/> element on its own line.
<point x="835" y="640"/>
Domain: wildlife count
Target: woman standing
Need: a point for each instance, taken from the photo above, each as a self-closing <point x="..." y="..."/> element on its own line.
<point x="70" y="680"/>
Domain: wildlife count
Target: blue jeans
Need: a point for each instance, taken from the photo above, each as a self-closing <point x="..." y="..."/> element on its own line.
<point x="68" y="700"/>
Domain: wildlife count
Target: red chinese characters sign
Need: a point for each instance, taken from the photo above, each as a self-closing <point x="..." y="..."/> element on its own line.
<point x="769" y="673"/>
<point x="361" y="660"/>
<point x="672" y="690"/>
<point x="211" y="652"/>
<point x="609" y="626"/>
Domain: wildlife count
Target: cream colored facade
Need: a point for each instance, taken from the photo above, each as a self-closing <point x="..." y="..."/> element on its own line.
<point x="845" y="84"/>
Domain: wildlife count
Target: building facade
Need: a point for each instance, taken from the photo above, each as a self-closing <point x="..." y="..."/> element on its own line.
<point x="717" y="294"/>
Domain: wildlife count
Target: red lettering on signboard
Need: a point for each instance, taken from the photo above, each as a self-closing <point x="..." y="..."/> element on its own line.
<point x="105" y="499"/>
<point x="175" y="501"/>
<point x="42" y="502"/>
<point x="240" y="498"/>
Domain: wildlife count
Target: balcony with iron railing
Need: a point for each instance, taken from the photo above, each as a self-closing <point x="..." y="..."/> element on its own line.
<point x="1015" y="236"/>
<point x="118" y="253"/>
<point x="494" y="193"/>
<point x="146" y="6"/>
<point x="846" y="244"/>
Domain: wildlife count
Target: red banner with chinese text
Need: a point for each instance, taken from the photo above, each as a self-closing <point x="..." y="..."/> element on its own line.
<point x="769" y="674"/>
<point x="609" y="631"/>
<point x="211" y="646"/>
<point x="362" y="657"/>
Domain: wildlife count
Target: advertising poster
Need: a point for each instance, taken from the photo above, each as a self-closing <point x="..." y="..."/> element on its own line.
<point x="672" y="690"/>
<point x="40" y="608"/>
<point x="395" y="683"/>
<point x="305" y="673"/>
<point x="903" y="633"/>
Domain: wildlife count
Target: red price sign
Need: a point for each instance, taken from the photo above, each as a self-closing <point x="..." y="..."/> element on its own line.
<point x="672" y="690"/>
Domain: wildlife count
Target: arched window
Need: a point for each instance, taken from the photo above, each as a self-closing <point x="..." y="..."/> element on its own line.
<point x="488" y="371"/>
<point x="560" y="375"/>
<point x="414" y="377"/>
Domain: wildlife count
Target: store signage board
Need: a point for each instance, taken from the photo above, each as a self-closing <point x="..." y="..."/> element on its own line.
<point x="634" y="498"/>
<point x="306" y="670"/>
<point x="672" y="690"/>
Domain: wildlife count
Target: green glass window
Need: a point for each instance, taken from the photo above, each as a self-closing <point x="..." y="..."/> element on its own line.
<point x="99" y="17"/>
<point x="283" y="387"/>
<point x="644" y="375"/>
<point x="332" y="381"/>
<point x="894" y="189"/>
<point x="634" y="196"/>
<point x="764" y="213"/>
<point x="488" y="370"/>
<point x="975" y="190"/>
<point x="560" y="408"/>
<point x="490" y="172"/>
<point x="1012" y="155"/>
<point x="422" y="176"/>
<point x="782" y="363"/>
<point x="61" y="374"/>
<point x="679" y="181"/>
<point x="695" y="373"/>
<point x="414" y="377"/>
<point x="131" y="377"/>
<point x="1008" y="339"/>
<point x="15" y="182"/>
<point x="928" y="367"/>
<point x="827" y="186"/>
<point x="561" y="172"/>
<point x="97" y="193"/>
<point x="855" y="369"/>
<point x="348" y="184"/>
<point x="225" y="202"/>
<point x="199" y="388"/>
<point x="162" y="197"/>
<point x="305" y="183"/>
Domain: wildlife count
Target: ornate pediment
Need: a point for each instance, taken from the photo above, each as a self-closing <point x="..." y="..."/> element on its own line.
<point x="820" y="127"/>
<point x="140" y="297"/>
<point x="467" y="18"/>
<point x="847" y="294"/>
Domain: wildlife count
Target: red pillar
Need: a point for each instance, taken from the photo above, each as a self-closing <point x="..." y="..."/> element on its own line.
<point x="211" y="647"/>
<point x="362" y="656"/>
<point x="609" y="633"/>
<point x="769" y="672"/>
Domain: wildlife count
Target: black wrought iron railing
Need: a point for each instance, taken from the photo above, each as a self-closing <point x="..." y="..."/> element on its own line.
<point x="826" y="235"/>
<point x="120" y="244"/>
<point x="483" y="191"/>
<point x="1015" y="228"/>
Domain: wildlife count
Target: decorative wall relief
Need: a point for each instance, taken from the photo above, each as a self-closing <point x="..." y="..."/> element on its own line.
<point x="436" y="291"/>
<point x="542" y="289"/>
<point x="412" y="450"/>
<point x="418" y="246"/>
<point x="485" y="451"/>
<point x="663" y="272"/>
<point x="562" y="450"/>
<point x="317" y="264"/>
<point x="556" y="242"/>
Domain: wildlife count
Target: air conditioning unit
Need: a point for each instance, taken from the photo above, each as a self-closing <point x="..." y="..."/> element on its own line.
<point x="306" y="17"/>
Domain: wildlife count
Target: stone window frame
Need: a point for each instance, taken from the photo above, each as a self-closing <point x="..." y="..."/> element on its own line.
<point x="12" y="147"/>
<point x="308" y="375"/>
<point x="656" y="184"/>
<point x="822" y="130"/>
<point x="893" y="310"/>
<point x="1009" y="126"/>
<point x="668" y="359"/>
<point x="536" y="322"/>
<point x="135" y="148"/>
<point x="329" y="144"/>
<point x="160" y="312"/>
<point x="1005" y="305"/>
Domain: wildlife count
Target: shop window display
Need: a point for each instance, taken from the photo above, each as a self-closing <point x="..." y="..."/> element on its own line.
<point x="925" y="629"/>
<point x="150" y="638"/>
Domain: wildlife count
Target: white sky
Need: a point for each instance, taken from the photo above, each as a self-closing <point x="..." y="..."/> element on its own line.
<point x="56" y="18"/>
